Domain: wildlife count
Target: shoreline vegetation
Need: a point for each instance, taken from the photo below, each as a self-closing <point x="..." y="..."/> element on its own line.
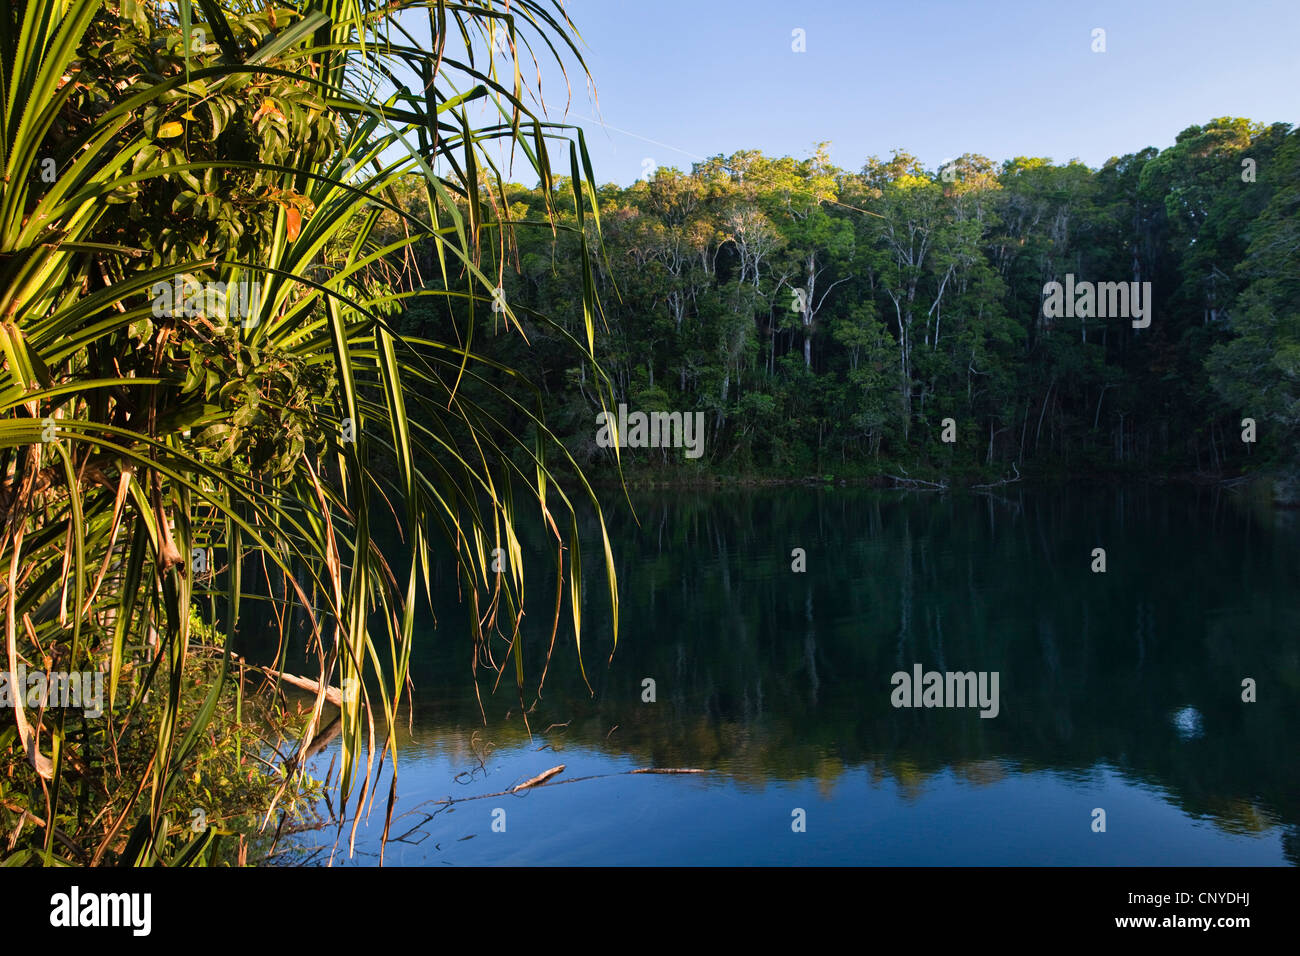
<point x="1047" y="316"/>
<point x="918" y="483"/>
<point x="206" y="404"/>
<point x="240" y="780"/>
<point x="1257" y="487"/>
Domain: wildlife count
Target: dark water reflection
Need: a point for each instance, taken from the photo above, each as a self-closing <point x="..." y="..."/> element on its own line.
<point x="1120" y="691"/>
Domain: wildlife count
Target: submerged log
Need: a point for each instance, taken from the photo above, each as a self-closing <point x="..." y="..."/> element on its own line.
<point x="919" y="483"/>
<point x="666" y="770"/>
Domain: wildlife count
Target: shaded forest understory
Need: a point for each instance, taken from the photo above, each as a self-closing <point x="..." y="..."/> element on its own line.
<point x="828" y="322"/>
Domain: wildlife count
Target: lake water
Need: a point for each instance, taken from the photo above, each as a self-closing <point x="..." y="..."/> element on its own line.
<point x="1118" y="691"/>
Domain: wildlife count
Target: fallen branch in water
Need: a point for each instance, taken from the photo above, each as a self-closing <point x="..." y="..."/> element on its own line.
<point x="919" y="483"/>
<point x="1004" y="481"/>
<point x="332" y="694"/>
<point x="536" y="781"/>
<point x="664" y="770"/>
<point x="539" y="779"/>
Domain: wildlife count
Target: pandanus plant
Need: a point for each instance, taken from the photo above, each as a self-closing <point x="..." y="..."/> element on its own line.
<point x="205" y="392"/>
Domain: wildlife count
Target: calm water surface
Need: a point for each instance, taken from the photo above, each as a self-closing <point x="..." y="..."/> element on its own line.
<point x="1120" y="691"/>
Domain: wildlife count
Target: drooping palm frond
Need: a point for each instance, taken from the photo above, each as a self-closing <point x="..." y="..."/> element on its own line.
<point x="203" y="359"/>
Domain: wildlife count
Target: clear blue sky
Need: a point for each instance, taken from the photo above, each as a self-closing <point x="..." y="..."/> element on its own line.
<point x="938" y="78"/>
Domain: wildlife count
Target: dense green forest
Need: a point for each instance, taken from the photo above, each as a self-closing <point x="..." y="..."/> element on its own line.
<point x="828" y="321"/>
